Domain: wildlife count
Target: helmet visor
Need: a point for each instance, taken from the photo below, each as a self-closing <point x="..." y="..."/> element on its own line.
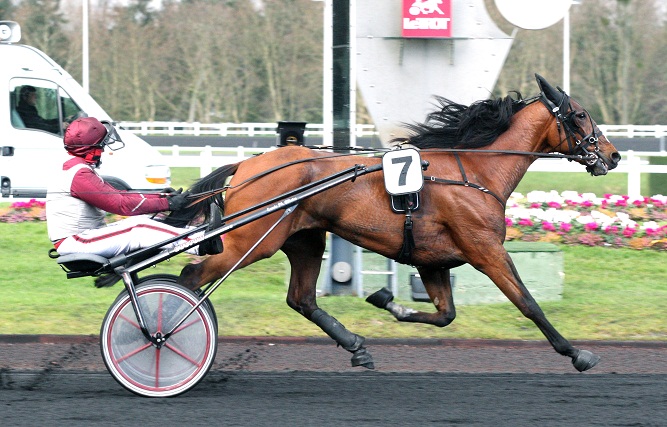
<point x="112" y="139"/>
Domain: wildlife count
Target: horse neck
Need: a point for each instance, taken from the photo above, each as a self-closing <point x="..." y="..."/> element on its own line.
<point x="529" y="131"/>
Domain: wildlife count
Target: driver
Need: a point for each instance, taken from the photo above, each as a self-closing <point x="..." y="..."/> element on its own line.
<point x="27" y="109"/>
<point x="78" y="199"/>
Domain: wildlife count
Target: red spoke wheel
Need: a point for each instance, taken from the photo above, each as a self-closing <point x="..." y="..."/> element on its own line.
<point x="158" y="371"/>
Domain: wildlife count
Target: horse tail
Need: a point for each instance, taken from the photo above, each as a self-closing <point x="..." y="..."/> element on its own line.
<point x="214" y="181"/>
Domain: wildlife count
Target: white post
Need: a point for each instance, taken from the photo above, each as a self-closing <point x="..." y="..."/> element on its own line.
<point x="358" y="276"/>
<point x="327" y="66"/>
<point x="353" y="73"/>
<point x="206" y="161"/>
<point x="84" y="48"/>
<point x="634" y="174"/>
<point x="566" y="52"/>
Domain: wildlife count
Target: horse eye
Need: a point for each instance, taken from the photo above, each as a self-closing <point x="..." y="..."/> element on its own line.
<point x="581" y="115"/>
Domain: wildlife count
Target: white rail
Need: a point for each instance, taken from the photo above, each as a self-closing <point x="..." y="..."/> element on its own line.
<point x="269" y="129"/>
<point x="633" y="163"/>
<point x="226" y="129"/>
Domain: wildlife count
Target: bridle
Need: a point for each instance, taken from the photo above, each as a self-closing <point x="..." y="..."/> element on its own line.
<point x="565" y="114"/>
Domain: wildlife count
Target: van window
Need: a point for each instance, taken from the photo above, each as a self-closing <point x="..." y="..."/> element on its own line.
<point x="40" y="104"/>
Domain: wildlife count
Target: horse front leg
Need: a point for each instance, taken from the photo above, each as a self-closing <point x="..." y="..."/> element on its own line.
<point x="498" y="266"/>
<point x="304" y="251"/>
<point x="439" y="289"/>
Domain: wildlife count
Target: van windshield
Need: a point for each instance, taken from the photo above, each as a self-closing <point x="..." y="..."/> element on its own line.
<point x="41" y="104"/>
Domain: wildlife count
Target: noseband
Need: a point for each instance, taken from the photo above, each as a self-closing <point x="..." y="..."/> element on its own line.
<point x="564" y="114"/>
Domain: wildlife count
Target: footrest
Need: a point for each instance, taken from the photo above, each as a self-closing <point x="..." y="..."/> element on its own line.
<point x="80" y="265"/>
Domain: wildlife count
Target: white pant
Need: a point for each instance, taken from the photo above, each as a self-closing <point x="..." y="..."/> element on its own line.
<point x="124" y="236"/>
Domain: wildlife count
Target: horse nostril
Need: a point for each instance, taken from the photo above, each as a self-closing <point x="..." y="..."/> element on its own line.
<point x="615" y="157"/>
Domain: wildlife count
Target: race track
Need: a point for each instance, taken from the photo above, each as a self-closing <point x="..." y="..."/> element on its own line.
<point x="308" y="382"/>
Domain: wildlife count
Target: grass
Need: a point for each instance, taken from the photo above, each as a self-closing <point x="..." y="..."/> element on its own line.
<point x="618" y="294"/>
<point x="609" y="294"/>
<point x="183" y="177"/>
<point x="581" y="182"/>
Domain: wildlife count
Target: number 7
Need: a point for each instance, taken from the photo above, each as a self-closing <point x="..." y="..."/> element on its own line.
<point x="407" y="161"/>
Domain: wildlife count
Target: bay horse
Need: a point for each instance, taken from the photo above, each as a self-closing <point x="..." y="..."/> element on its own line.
<point x="476" y="157"/>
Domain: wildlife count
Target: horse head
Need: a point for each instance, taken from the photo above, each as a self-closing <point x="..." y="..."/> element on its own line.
<point x="577" y="128"/>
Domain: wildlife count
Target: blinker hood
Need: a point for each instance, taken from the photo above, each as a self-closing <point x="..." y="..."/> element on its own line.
<point x="553" y="98"/>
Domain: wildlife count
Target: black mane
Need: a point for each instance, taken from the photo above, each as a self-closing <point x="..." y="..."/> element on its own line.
<point x="459" y="126"/>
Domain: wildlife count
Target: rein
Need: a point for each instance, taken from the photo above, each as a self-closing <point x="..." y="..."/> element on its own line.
<point x="564" y="119"/>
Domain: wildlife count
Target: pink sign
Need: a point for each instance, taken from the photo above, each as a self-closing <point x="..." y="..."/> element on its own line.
<point x="427" y="18"/>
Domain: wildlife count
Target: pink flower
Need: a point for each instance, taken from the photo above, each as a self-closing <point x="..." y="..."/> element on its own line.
<point x="629" y="232"/>
<point x="554" y="205"/>
<point x="587" y="203"/>
<point x="548" y="226"/>
<point x="652" y="232"/>
<point x="591" y="226"/>
<point x="525" y="222"/>
<point x="621" y="203"/>
<point x="508" y="222"/>
<point x="535" y="205"/>
<point x="565" y="227"/>
<point x="611" y="229"/>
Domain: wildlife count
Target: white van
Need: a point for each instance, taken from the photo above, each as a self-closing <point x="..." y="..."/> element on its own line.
<point x="32" y="150"/>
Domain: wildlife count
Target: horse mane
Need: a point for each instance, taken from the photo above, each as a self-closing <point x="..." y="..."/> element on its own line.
<point x="211" y="182"/>
<point x="459" y="126"/>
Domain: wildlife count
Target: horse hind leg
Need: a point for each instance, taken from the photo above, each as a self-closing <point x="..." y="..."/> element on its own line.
<point x="304" y="251"/>
<point x="438" y="286"/>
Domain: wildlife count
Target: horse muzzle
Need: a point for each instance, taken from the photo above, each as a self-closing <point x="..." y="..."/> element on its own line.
<point x="597" y="163"/>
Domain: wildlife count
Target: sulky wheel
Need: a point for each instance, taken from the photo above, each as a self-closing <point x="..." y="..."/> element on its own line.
<point x="168" y="369"/>
<point x="170" y="278"/>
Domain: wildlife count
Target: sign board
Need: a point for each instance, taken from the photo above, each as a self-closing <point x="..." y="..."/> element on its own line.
<point x="533" y="14"/>
<point x="402" y="171"/>
<point x="427" y="18"/>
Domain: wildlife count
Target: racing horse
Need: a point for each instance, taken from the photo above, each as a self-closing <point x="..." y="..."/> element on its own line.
<point x="476" y="156"/>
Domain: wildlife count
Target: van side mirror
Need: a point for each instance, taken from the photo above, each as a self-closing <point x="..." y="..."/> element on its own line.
<point x="7" y="151"/>
<point x="5" y="186"/>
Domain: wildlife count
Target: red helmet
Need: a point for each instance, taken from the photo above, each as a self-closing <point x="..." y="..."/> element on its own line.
<point x="86" y="137"/>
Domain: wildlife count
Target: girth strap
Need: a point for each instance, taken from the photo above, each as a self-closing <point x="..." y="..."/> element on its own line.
<point x="405" y="256"/>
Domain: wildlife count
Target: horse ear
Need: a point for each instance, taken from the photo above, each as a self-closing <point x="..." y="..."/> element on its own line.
<point x="549" y="91"/>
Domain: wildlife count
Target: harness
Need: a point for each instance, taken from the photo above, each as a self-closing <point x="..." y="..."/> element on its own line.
<point x="402" y="187"/>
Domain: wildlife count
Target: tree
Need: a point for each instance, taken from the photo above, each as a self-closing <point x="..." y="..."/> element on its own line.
<point x="42" y="25"/>
<point x="6" y="10"/>
<point x="615" y="67"/>
<point x="616" y="60"/>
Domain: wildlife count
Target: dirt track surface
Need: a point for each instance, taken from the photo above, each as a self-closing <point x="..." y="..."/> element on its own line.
<point x="309" y="382"/>
<point x="321" y="355"/>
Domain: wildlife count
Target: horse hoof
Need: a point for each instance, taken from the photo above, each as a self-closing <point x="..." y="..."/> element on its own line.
<point x="585" y="360"/>
<point x="381" y="298"/>
<point x="363" y="358"/>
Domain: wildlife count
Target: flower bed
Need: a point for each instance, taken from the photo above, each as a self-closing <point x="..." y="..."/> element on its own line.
<point x="568" y="218"/>
<point x="32" y="210"/>
<point x="585" y="219"/>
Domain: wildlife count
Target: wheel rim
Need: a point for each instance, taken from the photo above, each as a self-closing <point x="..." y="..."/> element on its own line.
<point x="177" y="365"/>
